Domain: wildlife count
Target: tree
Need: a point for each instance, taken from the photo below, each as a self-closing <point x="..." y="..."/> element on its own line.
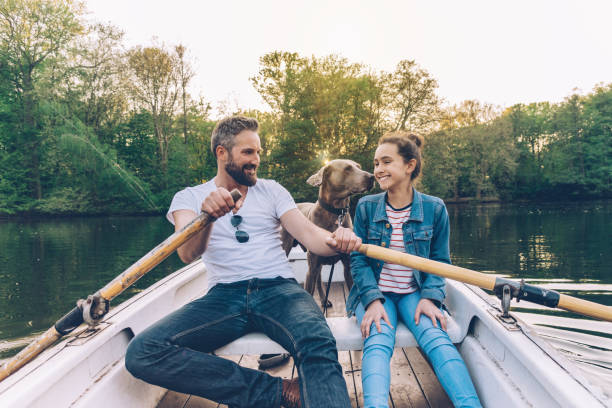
<point x="155" y="87"/>
<point x="598" y="140"/>
<point x="441" y="167"/>
<point x="185" y="73"/>
<point x="326" y="108"/>
<point x="13" y="175"/>
<point x="412" y="103"/>
<point x="97" y="92"/>
<point x="577" y="160"/>
<point x="468" y="113"/>
<point x="472" y="155"/>
<point x="31" y="32"/>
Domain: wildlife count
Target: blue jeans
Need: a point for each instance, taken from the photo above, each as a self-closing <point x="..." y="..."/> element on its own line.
<point x="175" y="352"/>
<point x="441" y="352"/>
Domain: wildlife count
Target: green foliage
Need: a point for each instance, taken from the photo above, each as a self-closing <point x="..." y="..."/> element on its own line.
<point x="98" y="172"/>
<point x="66" y="200"/>
<point x="322" y="108"/>
<point x="564" y="150"/>
<point x="86" y="127"/>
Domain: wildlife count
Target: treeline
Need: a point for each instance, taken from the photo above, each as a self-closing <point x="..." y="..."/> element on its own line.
<point x="88" y="126"/>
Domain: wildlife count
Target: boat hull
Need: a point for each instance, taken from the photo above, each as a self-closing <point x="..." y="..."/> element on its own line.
<point x="509" y="364"/>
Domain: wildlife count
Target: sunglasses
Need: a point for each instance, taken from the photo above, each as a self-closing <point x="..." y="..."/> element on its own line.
<point x="241" y="236"/>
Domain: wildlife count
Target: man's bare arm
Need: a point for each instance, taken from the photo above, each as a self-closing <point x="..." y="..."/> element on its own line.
<point x="196" y="245"/>
<point x="316" y="239"/>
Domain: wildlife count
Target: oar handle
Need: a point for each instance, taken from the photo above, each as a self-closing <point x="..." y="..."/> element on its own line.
<point x="430" y="266"/>
<point x="531" y="293"/>
<point x="75" y="317"/>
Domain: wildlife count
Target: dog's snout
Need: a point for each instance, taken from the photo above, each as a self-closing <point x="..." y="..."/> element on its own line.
<point x="371" y="179"/>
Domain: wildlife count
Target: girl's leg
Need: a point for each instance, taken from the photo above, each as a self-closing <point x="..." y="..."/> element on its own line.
<point x="442" y="353"/>
<point x="377" y="352"/>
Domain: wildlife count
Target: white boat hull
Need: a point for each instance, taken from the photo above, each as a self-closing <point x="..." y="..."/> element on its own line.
<point x="509" y="364"/>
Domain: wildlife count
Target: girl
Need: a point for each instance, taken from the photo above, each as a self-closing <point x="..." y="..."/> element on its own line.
<point x="403" y="219"/>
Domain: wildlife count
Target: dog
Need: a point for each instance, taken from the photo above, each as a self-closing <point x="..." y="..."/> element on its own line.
<point x="337" y="182"/>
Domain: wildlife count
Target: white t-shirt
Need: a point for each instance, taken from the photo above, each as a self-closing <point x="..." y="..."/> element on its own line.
<point x="262" y="256"/>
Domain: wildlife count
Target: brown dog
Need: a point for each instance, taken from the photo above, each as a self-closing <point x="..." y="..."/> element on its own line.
<point x="338" y="180"/>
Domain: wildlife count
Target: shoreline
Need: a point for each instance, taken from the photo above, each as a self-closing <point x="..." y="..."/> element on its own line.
<point x="449" y="201"/>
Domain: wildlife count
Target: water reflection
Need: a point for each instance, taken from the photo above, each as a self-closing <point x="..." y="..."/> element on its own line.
<point x="46" y="265"/>
<point x="554" y="241"/>
<point x="558" y="246"/>
<point x="537" y="256"/>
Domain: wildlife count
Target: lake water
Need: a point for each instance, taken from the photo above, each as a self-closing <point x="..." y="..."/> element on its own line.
<point x="47" y="264"/>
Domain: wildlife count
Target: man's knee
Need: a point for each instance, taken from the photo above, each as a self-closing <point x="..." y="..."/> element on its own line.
<point x="318" y="344"/>
<point x="134" y="358"/>
<point x="139" y="353"/>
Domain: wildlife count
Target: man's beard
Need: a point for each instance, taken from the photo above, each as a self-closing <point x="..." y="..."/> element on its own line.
<point x="238" y="173"/>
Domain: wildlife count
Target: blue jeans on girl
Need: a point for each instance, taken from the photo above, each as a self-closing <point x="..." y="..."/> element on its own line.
<point x="441" y="352"/>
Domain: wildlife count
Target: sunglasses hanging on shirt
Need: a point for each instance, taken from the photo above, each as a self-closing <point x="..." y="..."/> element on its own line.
<point x="241" y="236"/>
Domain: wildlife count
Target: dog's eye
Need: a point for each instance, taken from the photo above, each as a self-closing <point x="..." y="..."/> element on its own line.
<point x="347" y="168"/>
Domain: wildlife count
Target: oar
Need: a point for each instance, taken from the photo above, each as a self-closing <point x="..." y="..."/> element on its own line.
<point x="519" y="290"/>
<point x="95" y="306"/>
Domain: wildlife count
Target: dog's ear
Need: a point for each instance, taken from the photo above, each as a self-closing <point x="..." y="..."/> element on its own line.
<point x="317" y="178"/>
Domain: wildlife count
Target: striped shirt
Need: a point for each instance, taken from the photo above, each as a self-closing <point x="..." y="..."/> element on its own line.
<point x="397" y="278"/>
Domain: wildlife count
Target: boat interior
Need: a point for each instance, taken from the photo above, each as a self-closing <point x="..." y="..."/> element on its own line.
<point x="511" y="366"/>
<point x="413" y="382"/>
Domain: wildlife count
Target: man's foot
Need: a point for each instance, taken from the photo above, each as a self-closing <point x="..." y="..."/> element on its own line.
<point x="290" y="397"/>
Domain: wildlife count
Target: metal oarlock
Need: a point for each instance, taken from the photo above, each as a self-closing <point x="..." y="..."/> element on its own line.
<point x="506" y="289"/>
<point x="94" y="309"/>
<point x="505" y="301"/>
<point x="521" y="290"/>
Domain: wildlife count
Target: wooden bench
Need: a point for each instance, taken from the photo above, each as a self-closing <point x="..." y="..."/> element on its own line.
<point x="345" y="330"/>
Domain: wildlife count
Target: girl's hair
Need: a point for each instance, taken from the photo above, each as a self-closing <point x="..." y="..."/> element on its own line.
<point x="408" y="146"/>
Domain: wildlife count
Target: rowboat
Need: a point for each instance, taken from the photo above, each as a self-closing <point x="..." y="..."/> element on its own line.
<point x="511" y="366"/>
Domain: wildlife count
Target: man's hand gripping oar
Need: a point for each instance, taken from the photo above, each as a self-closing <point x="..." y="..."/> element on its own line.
<point x="93" y="309"/>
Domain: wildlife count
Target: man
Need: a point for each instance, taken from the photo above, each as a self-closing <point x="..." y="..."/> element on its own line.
<point x="252" y="288"/>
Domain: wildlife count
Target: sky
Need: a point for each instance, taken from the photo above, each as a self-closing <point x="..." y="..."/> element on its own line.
<point x="498" y="52"/>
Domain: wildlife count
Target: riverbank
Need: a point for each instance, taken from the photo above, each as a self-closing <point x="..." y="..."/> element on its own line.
<point x="161" y="212"/>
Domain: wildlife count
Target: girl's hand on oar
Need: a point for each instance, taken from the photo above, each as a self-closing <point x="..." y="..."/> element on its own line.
<point x="374" y="313"/>
<point x="429" y="309"/>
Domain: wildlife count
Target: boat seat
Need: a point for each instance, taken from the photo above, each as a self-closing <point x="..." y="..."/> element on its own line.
<point x="345" y="330"/>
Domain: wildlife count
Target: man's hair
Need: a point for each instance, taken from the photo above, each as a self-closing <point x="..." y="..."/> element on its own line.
<point x="408" y="146"/>
<point x="227" y="128"/>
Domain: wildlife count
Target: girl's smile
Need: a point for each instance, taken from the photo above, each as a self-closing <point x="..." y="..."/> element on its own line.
<point x="390" y="169"/>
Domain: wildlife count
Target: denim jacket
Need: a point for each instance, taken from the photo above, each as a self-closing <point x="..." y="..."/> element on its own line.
<point x="426" y="234"/>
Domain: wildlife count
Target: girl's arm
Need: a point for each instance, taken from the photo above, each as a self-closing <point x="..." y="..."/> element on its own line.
<point x="363" y="275"/>
<point x="433" y="293"/>
<point x="433" y="286"/>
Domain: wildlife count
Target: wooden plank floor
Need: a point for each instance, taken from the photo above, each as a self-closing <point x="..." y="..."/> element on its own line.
<point x="413" y="382"/>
